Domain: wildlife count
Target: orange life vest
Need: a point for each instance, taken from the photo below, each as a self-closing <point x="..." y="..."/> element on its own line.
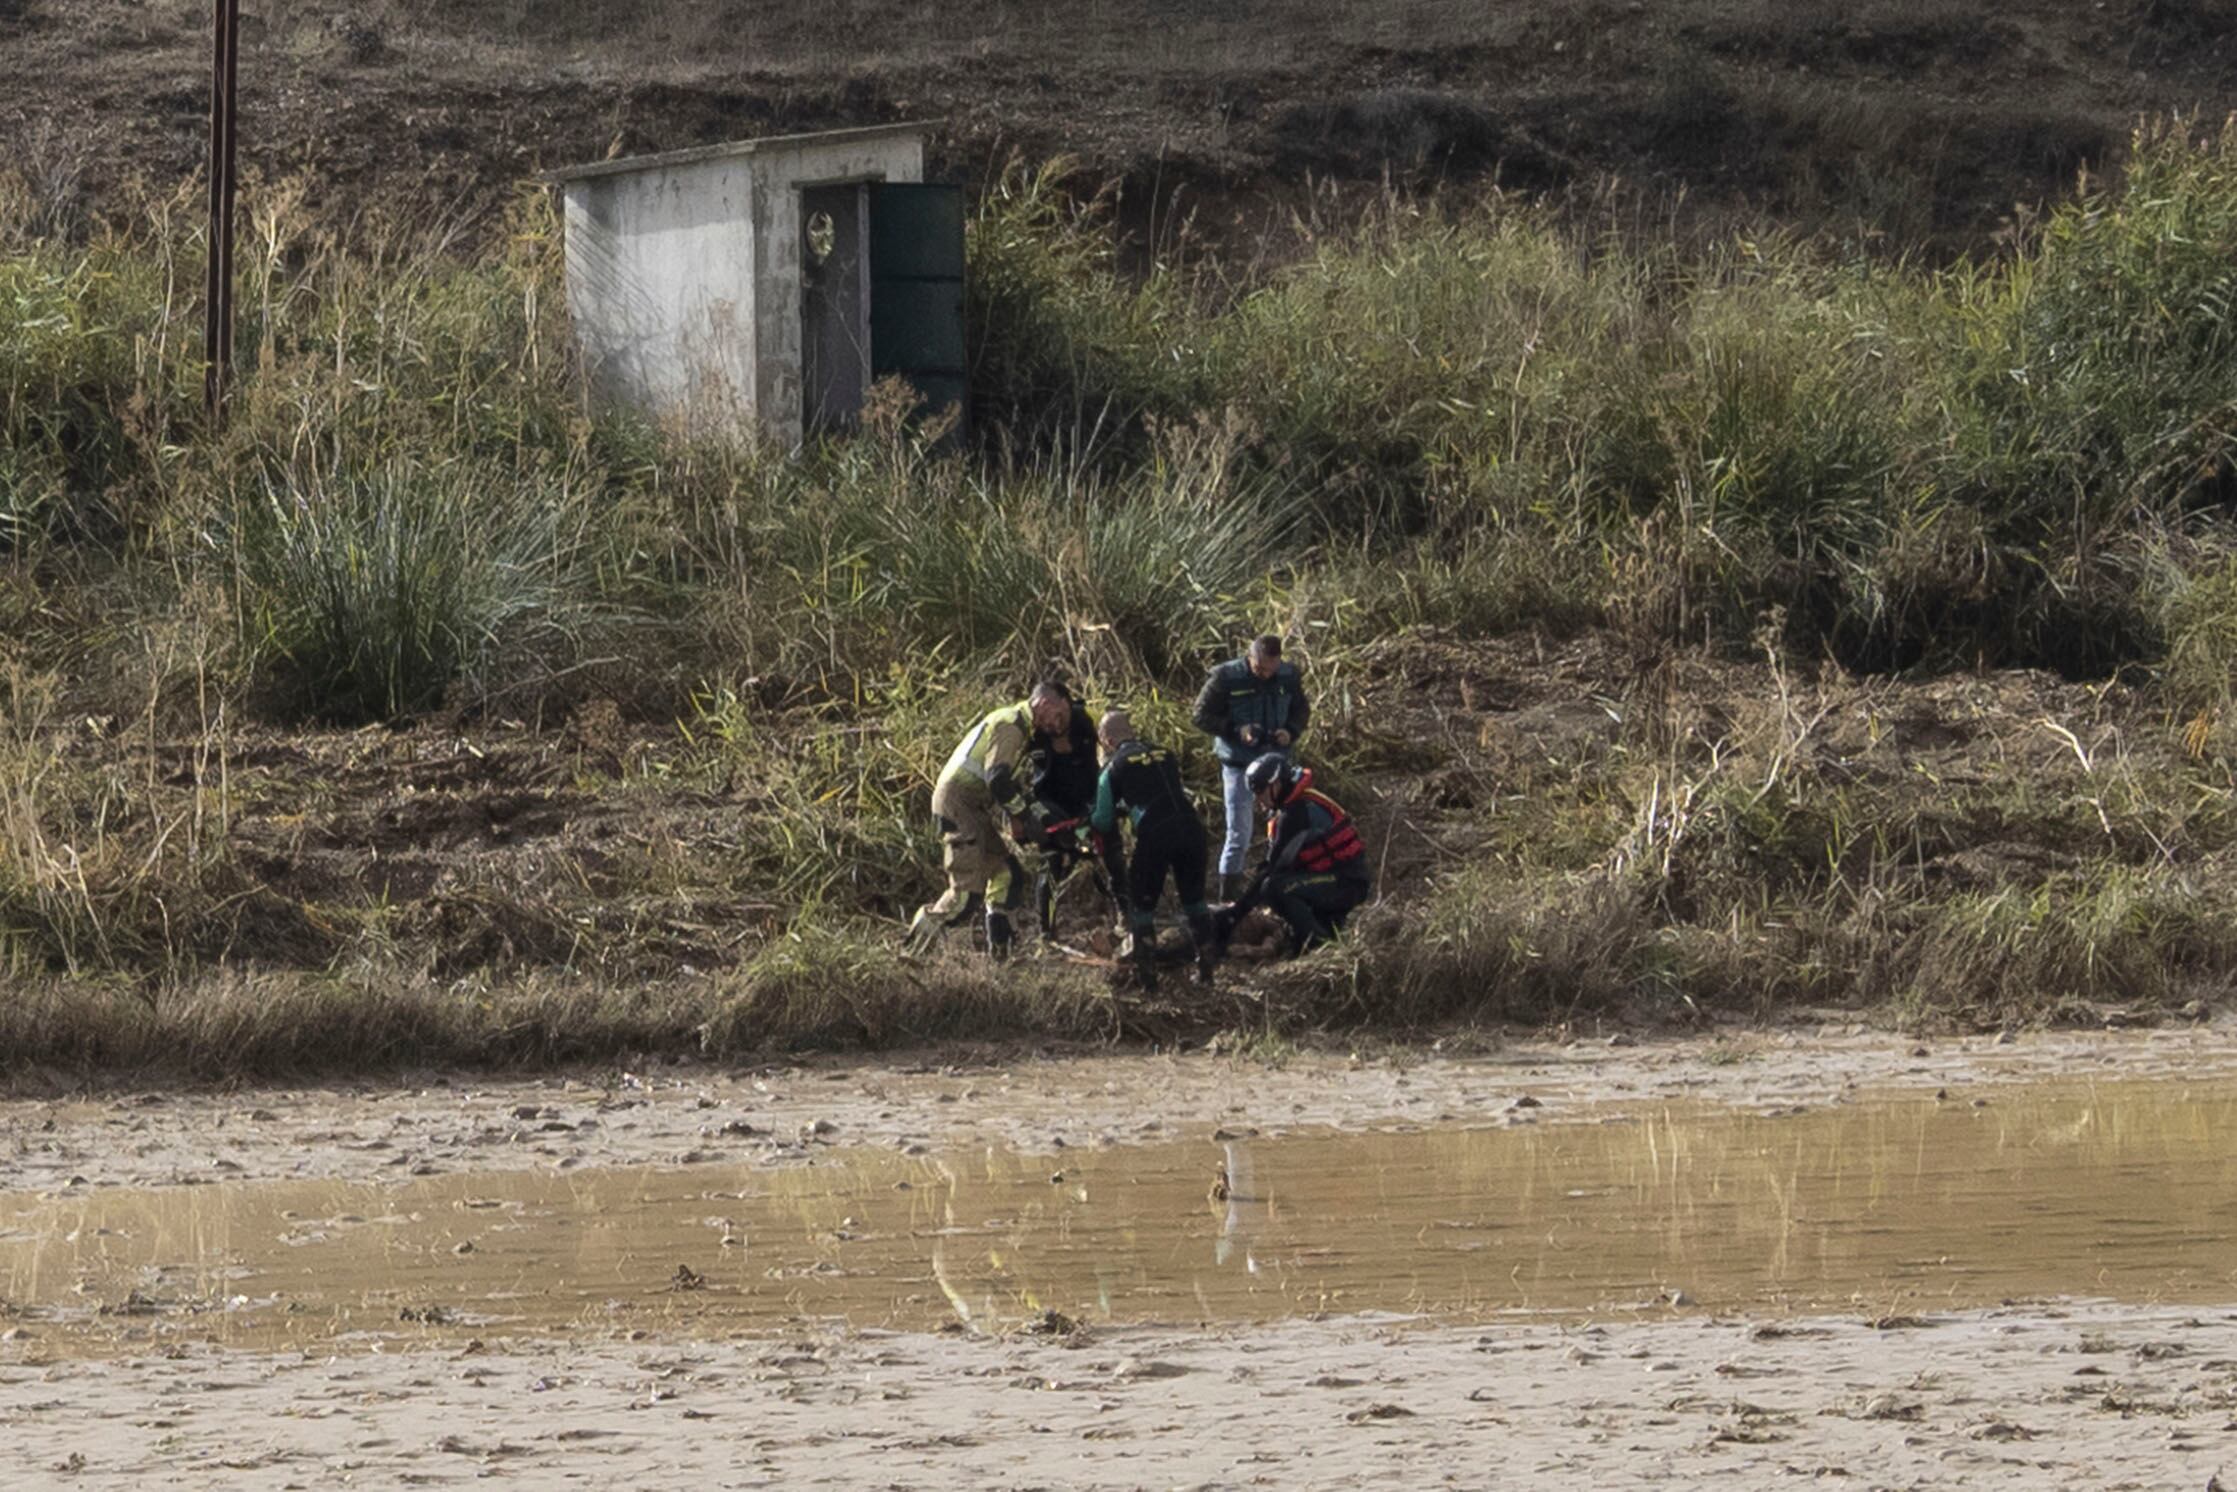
<point x="1338" y="844"/>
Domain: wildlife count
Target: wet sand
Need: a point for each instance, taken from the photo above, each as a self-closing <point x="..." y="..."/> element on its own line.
<point x="2032" y="1397"/>
<point x="690" y="1115"/>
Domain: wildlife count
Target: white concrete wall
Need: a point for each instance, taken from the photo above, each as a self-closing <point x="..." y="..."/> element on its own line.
<point x="683" y="278"/>
<point x="660" y="281"/>
<point x="779" y="174"/>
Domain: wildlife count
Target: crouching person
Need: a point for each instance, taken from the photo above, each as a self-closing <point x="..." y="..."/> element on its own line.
<point x="1144" y="782"/>
<point x="979" y="787"/>
<point x="1316" y="863"/>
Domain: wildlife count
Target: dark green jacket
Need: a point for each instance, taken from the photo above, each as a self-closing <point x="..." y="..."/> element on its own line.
<point x="1235" y="700"/>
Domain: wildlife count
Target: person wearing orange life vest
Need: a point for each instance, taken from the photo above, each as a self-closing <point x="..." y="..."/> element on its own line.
<point x="1316" y="864"/>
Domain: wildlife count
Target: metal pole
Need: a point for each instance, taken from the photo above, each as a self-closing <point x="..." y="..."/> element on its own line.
<point x="217" y="327"/>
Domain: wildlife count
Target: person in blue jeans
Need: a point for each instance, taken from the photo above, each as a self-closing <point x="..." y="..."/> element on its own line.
<point x="1250" y="706"/>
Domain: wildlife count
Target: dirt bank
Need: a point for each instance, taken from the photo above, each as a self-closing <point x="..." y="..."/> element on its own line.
<point x="1980" y="850"/>
<point x="778" y="1115"/>
<point x="2029" y="1396"/>
<point x="1916" y="122"/>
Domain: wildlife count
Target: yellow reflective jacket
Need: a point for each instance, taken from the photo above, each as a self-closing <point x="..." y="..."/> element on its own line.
<point x="994" y="752"/>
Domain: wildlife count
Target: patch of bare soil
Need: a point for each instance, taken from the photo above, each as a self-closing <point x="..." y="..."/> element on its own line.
<point x="497" y="847"/>
<point x="2024" y="1397"/>
<point x="1924" y="121"/>
<point x="663" y="1114"/>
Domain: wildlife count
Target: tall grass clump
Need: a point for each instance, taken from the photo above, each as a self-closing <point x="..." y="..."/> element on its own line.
<point x="2089" y="391"/>
<point x="1422" y="355"/>
<point x="82" y="383"/>
<point x="2119" y="934"/>
<point x="102" y="867"/>
<point x="890" y="551"/>
<point x="2193" y="593"/>
<point x="374" y="593"/>
<point x="2096" y="364"/>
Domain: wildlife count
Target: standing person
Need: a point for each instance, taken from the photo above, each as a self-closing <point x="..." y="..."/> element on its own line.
<point x="1316" y="863"/>
<point x="981" y="781"/>
<point x="1064" y="774"/>
<point x="1249" y="706"/>
<point x="1144" y="782"/>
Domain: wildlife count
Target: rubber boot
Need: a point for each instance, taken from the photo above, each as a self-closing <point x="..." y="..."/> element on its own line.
<point x="1231" y="887"/>
<point x="998" y="934"/>
<point x="1144" y="950"/>
<point x="1207" y="948"/>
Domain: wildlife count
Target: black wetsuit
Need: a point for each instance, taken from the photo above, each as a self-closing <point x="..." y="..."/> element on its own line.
<point x="1144" y="782"/>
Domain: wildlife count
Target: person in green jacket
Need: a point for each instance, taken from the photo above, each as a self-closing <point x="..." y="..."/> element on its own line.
<point x="1143" y="782"/>
<point x="1249" y="706"/>
<point x="983" y="784"/>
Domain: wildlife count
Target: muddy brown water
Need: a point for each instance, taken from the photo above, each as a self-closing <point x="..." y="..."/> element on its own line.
<point x="1897" y="1205"/>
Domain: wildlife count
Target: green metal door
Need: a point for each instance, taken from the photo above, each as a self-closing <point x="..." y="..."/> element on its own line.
<point x="916" y="290"/>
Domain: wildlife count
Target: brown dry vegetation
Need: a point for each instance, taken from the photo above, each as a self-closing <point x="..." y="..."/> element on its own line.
<point x="1565" y="832"/>
<point x="1901" y="117"/>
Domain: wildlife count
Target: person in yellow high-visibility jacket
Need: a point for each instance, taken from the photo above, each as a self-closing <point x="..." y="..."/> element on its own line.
<point x="984" y="783"/>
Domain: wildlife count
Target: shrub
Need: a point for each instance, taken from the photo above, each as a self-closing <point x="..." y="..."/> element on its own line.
<point x="376" y="592"/>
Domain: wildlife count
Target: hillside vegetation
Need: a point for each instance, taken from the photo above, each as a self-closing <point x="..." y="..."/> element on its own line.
<point x="1901" y="121"/>
<point x="1742" y="625"/>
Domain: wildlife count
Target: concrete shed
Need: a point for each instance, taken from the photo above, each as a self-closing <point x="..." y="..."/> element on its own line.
<point x="768" y="280"/>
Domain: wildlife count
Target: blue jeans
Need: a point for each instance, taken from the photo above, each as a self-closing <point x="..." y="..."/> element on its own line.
<point x="1242" y="818"/>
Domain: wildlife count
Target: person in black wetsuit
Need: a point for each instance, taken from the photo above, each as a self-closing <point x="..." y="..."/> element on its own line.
<point x="1144" y="782"/>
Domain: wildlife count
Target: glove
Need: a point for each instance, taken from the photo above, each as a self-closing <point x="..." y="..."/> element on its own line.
<point x="1026" y="828"/>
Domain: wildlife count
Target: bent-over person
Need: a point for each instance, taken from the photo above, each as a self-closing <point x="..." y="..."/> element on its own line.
<point x="981" y="785"/>
<point x="1316" y="864"/>
<point x="1143" y="782"/>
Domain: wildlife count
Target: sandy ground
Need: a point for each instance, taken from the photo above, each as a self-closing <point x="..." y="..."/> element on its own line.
<point x="2034" y="1394"/>
<point x="2032" y="1397"/>
<point x="688" y="1115"/>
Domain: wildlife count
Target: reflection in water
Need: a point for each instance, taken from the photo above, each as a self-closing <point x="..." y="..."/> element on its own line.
<point x="1243" y="1210"/>
<point x="2118" y="1191"/>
